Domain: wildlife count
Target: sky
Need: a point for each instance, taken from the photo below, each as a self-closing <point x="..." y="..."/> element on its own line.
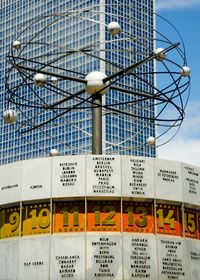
<point x="185" y="15"/>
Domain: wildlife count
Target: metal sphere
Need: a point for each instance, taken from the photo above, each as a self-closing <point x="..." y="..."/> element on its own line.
<point x="39" y="79"/>
<point x="54" y="80"/>
<point x="160" y="55"/>
<point x="10" y="116"/>
<point x="54" y="152"/>
<point x="151" y="141"/>
<point x="114" y="28"/>
<point x="185" y="71"/>
<point x="16" y="45"/>
<point x="95" y="83"/>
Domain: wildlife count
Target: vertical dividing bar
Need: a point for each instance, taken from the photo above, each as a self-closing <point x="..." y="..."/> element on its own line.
<point x="97" y="124"/>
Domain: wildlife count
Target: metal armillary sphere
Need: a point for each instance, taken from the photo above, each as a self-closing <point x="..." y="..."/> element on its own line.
<point x="112" y="76"/>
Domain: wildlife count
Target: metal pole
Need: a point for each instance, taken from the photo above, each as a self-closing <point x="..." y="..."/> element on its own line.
<point x="97" y="124"/>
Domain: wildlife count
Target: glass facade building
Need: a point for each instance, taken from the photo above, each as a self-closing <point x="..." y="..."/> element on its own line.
<point x="85" y="26"/>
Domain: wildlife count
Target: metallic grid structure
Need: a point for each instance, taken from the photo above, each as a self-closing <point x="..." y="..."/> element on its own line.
<point x="71" y="134"/>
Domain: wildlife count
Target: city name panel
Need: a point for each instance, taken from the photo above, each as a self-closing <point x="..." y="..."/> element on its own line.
<point x="99" y="217"/>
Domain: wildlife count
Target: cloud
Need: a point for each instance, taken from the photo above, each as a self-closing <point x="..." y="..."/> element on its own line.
<point x="185" y="150"/>
<point x="186" y="145"/>
<point x="176" y="4"/>
<point x="191" y="125"/>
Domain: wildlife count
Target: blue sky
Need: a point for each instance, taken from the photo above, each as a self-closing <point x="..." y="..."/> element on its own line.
<point x="185" y="15"/>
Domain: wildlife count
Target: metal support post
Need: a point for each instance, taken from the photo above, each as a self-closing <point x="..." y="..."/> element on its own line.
<point x="97" y="124"/>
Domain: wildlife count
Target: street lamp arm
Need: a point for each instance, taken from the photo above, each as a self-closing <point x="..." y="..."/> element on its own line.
<point x="135" y="65"/>
<point x="60" y="76"/>
<point x="148" y="96"/>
